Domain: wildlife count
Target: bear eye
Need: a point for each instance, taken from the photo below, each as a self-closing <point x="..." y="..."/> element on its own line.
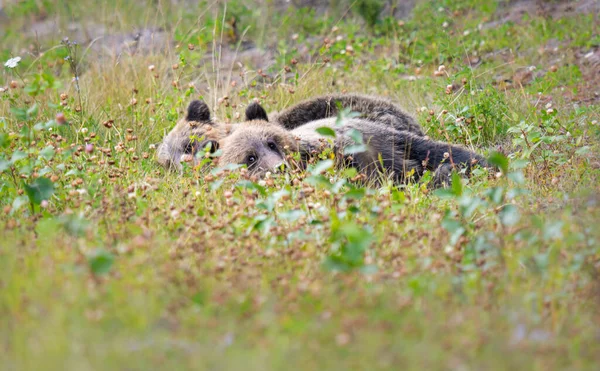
<point x="251" y="159"/>
<point x="272" y="146"/>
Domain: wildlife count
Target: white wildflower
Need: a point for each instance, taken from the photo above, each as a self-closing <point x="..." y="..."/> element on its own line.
<point x="13" y="62"/>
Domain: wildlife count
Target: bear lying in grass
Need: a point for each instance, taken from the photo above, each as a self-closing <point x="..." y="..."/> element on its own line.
<point x="392" y="141"/>
<point x="183" y="141"/>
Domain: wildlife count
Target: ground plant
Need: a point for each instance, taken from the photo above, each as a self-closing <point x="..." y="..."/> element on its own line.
<point x="109" y="261"/>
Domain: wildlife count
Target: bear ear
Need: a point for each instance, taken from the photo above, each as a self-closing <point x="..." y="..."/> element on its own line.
<point x="255" y="112"/>
<point x="198" y="111"/>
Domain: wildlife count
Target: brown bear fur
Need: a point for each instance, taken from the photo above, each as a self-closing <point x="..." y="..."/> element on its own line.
<point x="263" y="146"/>
<point x="191" y="134"/>
<point x="178" y="144"/>
<point x="370" y="108"/>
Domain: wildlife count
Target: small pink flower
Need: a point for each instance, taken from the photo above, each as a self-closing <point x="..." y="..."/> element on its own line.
<point x="60" y="118"/>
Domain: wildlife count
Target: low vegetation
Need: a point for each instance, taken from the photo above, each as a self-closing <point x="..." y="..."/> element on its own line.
<point x="107" y="261"/>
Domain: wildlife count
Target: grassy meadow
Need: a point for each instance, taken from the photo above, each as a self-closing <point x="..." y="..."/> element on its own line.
<point x="107" y="261"/>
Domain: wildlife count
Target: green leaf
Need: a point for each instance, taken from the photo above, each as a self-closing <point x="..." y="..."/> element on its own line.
<point x="17" y="155"/>
<point x="47" y="227"/>
<point x="199" y="298"/>
<point x="101" y="261"/>
<point x="230" y="167"/>
<point x="509" y="215"/>
<point x="18" y="203"/>
<point x="4" y="140"/>
<point x="451" y="225"/>
<point x="216" y="184"/>
<point x="583" y="150"/>
<point x="326" y="131"/>
<point x="318" y="181"/>
<point x="321" y="166"/>
<point x="356" y="136"/>
<point x="356" y="193"/>
<point x="41" y="189"/>
<point x="468" y="205"/>
<point x="75" y="225"/>
<point x="263" y="224"/>
<point x="343" y="114"/>
<point x="292" y="215"/>
<point x="398" y="196"/>
<point x="32" y="111"/>
<point x="73" y="172"/>
<point x="457" y="187"/>
<point x="498" y="159"/>
<point x="20" y="113"/>
<point x="4" y="165"/>
<point x="444" y="193"/>
<point x="350" y="172"/>
<point x="496" y="194"/>
<point x="253" y="186"/>
<point x="519" y="164"/>
<point x="517" y="177"/>
<point x="45" y="170"/>
<point x="47" y="153"/>
<point x="368" y="269"/>
<point x="354" y="149"/>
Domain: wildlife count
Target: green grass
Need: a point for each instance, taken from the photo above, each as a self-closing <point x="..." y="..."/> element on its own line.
<point x="109" y="262"/>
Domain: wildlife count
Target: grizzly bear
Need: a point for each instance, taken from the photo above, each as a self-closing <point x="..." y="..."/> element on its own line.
<point x="197" y="129"/>
<point x="263" y="146"/>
